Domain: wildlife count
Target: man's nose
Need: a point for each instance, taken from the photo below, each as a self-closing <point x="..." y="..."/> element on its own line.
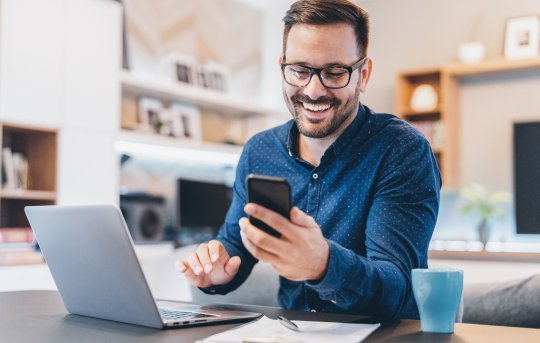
<point x="315" y="88"/>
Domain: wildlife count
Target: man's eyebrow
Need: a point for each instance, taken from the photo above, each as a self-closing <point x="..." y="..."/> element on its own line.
<point x="331" y="64"/>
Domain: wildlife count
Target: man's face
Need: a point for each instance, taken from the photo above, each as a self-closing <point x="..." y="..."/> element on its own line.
<point x="317" y="110"/>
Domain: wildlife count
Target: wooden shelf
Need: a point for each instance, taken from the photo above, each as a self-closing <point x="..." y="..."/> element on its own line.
<point x="28" y="195"/>
<point x="37" y="146"/>
<point x="409" y="112"/>
<point x="446" y="81"/>
<point x="137" y="85"/>
<point x="485" y="255"/>
<point x="493" y="66"/>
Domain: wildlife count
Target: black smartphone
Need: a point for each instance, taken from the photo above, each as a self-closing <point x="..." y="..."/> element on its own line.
<point x="273" y="193"/>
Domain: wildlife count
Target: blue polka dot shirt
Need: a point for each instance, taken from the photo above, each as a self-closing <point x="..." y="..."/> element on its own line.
<point x="375" y="196"/>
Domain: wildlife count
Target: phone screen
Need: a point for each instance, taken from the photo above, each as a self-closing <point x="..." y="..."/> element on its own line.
<point x="270" y="192"/>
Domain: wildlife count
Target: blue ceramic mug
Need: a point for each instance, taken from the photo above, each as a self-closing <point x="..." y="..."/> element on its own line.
<point x="438" y="293"/>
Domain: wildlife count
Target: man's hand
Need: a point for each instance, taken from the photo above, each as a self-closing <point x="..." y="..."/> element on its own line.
<point x="301" y="253"/>
<point x="209" y="265"/>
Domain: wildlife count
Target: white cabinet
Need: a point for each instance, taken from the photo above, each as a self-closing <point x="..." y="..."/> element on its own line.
<point x="60" y="62"/>
<point x="88" y="170"/>
<point x="93" y="59"/>
<point x="31" y="57"/>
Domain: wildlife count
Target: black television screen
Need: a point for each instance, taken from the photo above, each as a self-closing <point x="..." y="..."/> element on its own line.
<point x="527" y="177"/>
<point x="202" y="205"/>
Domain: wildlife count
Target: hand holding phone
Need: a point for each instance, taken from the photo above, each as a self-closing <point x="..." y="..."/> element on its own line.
<point x="274" y="193"/>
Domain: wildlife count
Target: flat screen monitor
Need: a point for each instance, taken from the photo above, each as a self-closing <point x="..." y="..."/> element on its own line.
<point x="202" y="205"/>
<point x="527" y="177"/>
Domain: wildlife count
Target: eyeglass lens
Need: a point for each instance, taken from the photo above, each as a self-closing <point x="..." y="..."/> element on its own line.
<point x="300" y="76"/>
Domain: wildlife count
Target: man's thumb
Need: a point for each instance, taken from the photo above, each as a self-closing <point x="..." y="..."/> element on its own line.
<point x="232" y="265"/>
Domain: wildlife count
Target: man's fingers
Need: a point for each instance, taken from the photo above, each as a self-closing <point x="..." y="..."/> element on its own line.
<point x="300" y="218"/>
<point x="195" y="264"/>
<point x="217" y="251"/>
<point x="269" y="217"/>
<point x="196" y="280"/>
<point x="181" y="266"/>
<point x="204" y="257"/>
<point x="260" y="238"/>
<point x="257" y="251"/>
<point x="232" y="265"/>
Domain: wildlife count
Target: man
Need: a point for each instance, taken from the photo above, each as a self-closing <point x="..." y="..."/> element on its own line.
<point x="365" y="185"/>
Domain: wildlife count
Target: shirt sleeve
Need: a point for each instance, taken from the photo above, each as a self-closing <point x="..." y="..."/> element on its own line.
<point x="229" y="233"/>
<point x="399" y="227"/>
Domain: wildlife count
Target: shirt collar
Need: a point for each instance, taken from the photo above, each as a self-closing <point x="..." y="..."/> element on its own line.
<point x="341" y="142"/>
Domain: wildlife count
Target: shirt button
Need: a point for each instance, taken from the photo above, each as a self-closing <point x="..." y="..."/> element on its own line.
<point x="313" y="310"/>
<point x="315" y="176"/>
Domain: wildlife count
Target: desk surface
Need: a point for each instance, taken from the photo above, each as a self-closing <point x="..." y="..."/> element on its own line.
<point x="40" y="316"/>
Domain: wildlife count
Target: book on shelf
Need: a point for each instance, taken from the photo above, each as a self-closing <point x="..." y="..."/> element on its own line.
<point x="431" y="129"/>
<point x="19" y="257"/>
<point x="14" y="170"/>
<point x="16" y="235"/>
<point x="16" y="239"/>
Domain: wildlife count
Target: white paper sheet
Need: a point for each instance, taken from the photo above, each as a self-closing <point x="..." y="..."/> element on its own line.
<point x="266" y="330"/>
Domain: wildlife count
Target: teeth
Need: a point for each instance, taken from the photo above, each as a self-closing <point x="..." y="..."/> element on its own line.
<point x="316" y="108"/>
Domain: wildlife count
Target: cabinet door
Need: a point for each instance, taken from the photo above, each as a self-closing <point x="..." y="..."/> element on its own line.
<point x="31" y="48"/>
<point x="88" y="168"/>
<point x="92" y="65"/>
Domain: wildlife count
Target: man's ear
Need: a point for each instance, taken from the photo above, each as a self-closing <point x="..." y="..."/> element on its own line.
<point x="365" y="73"/>
<point x="280" y="59"/>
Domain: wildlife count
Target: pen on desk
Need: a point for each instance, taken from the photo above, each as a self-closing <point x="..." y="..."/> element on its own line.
<point x="288" y="324"/>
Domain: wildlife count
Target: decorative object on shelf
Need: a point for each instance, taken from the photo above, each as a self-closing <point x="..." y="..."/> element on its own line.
<point x="150" y="115"/>
<point x="214" y="75"/>
<point x="485" y="206"/>
<point x="424" y="98"/>
<point x="186" y="121"/>
<point x="522" y="37"/>
<point x="209" y="75"/>
<point x="472" y="52"/>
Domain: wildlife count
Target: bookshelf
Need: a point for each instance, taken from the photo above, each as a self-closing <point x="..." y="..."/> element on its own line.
<point x="29" y="163"/>
<point x="444" y="118"/>
<point x="428" y="121"/>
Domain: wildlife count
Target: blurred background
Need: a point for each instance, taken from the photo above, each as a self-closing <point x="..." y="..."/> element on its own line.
<point x="146" y="104"/>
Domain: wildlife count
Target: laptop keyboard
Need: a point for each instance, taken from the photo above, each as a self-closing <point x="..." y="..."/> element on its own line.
<point x="174" y="315"/>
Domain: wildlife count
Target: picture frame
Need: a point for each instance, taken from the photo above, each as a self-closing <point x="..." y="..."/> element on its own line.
<point x="213" y="75"/>
<point x="183" y="68"/>
<point x="522" y="37"/>
<point x="185" y="121"/>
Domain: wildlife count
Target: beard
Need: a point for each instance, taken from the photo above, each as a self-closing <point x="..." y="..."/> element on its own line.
<point x="342" y="113"/>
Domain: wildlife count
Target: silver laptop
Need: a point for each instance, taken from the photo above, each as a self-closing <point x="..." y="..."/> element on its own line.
<point x="92" y="260"/>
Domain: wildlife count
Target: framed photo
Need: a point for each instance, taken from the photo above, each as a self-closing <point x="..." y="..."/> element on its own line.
<point x="183" y="68"/>
<point x="214" y="75"/>
<point x="149" y="112"/>
<point x="522" y="37"/>
<point x="185" y="121"/>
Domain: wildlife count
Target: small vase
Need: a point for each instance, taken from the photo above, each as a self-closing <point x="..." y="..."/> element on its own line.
<point x="483" y="233"/>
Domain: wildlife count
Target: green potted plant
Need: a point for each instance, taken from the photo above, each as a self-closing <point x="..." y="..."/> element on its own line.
<point x="485" y="206"/>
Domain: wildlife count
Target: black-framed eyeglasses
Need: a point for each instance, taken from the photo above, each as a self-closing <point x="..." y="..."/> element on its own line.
<point x="331" y="77"/>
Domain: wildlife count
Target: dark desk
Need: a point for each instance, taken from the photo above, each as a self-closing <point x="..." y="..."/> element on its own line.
<point x="40" y="316"/>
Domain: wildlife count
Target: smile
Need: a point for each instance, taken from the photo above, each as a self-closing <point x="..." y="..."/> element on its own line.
<point x="315" y="108"/>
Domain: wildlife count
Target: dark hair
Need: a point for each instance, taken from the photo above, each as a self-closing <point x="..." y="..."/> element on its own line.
<point x="322" y="12"/>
